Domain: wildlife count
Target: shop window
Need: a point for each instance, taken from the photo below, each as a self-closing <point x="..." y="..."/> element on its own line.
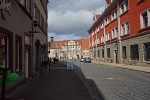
<point x="147" y="51"/>
<point x="4" y="51"/>
<point x="134" y="52"/>
<point x="124" y="55"/>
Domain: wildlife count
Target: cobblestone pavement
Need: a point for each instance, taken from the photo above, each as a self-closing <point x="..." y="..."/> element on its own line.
<point x="58" y="84"/>
<point x="113" y="83"/>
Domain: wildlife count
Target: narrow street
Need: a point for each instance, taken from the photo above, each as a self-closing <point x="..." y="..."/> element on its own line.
<point x="112" y="83"/>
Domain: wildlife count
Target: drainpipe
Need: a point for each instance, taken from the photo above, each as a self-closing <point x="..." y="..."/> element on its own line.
<point x="33" y="61"/>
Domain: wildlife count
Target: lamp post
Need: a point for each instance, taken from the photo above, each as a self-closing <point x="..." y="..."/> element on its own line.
<point x="34" y="30"/>
<point x="49" y="44"/>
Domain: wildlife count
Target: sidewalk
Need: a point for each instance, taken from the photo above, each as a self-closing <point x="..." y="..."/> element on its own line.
<point x="58" y="84"/>
<point x="132" y="67"/>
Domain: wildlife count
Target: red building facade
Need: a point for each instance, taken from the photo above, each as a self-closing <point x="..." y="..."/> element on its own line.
<point x="122" y="33"/>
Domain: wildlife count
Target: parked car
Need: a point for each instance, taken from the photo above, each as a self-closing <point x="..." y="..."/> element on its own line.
<point x="82" y="59"/>
<point x="87" y="60"/>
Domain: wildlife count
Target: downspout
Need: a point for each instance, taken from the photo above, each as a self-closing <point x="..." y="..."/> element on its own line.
<point x="33" y="48"/>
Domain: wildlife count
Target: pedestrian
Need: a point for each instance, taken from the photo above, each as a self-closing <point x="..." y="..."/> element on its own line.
<point x="54" y="60"/>
<point x="49" y="60"/>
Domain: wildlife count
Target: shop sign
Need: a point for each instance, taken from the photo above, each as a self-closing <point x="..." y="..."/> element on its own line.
<point x="5" y="7"/>
<point x="27" y="40"/>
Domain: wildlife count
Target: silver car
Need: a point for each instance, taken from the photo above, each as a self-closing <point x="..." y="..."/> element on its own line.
<point x="87" y="60"/>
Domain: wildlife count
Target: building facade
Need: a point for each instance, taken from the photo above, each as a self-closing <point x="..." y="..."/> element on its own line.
<point x="40" y="45"/>
<point x="19" y="31"/>
<point x="69" y="49"/>
<point x="122" y="33"/>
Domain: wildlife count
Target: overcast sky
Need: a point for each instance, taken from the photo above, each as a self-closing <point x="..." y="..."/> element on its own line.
<point x="71" y="19"/>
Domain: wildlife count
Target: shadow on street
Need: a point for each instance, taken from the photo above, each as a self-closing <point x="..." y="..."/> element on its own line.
<point x="90" y="84"/>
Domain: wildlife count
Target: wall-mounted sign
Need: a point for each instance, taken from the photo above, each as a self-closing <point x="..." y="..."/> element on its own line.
<point x="5" y="7"/>
<point x="27" y="40"/>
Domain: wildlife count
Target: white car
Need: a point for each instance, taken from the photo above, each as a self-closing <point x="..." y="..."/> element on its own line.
<point x="82" y="59"/>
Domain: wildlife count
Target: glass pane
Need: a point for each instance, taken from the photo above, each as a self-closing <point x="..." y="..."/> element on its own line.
<point x="3" y="50"/>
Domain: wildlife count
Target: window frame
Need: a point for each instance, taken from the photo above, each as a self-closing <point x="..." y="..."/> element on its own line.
<point x="18" y="67"/>
<point x="126" y="27"/>
<point x="147" y="11"/>
<point x="123" y="7"/>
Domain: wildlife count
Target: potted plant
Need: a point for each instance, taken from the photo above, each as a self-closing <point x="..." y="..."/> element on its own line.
<point x="45" y="63"/>
<point x="45" y="66"/>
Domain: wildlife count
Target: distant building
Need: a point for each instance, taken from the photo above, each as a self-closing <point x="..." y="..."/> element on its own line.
<point x="122" y="33"/>
<point x="69" y="49"/>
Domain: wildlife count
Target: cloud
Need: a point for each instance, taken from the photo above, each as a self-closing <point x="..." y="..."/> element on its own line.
<point x="71" y="18"/>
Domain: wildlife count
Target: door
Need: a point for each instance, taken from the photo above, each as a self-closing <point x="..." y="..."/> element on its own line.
<point x="26" y="63"/>
<point x="115" y="56"/>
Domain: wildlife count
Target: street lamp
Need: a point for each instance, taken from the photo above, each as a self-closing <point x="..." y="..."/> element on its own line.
<point x="34" y="30"/>
<point x="50" y="43"/>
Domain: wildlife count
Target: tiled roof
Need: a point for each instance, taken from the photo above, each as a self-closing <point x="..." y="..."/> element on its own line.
<point x="58" y="44"/>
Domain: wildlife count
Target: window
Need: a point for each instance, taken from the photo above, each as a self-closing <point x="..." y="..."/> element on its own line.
<point x="114" y="32"/>
<point x="92" y="32"/>
<point x="145" y="18"/>
<point x="3" y="51"/>
<point x="97" y="29"/>
<point x="107" y="20"/>
<point x="102" y="53"/>
<point x="107" y="36"/>
<point x="108" y="52"/>
<point x="126" y="4"/>
<point x="94" y="54"/>
<point x="98" y="53"/>
<point x="134" y="52"/>
<point x="124" y="7"/>
<point x="125" y="28"/>
<point x="102" y="38"/>
<point x="26" y="4"/>
<point x="147" y="51"/>
<point x="114" y="14"/>
<point x="22" y="2"/>
<point x="102" y="24"/>
<point x="17" y="55"/>
<point x="37" y="14"/>
<point x="124" y="55"/>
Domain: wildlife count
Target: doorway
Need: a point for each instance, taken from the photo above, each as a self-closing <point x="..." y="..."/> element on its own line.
<point x="115" y="56"/>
